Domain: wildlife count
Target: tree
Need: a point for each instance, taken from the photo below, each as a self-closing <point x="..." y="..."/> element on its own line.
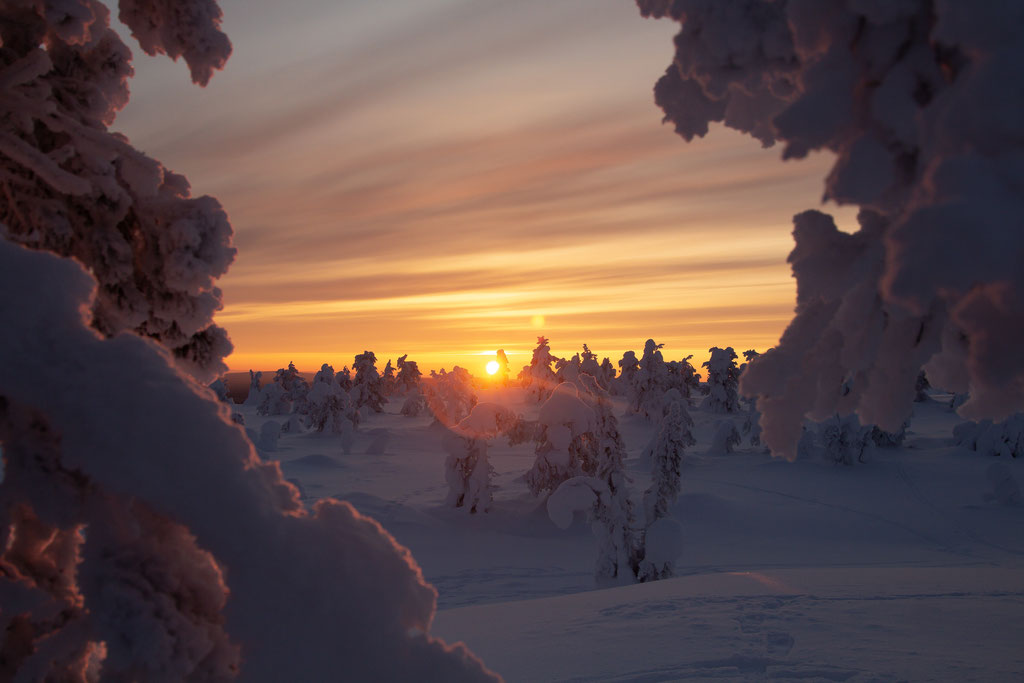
<point x="537" y="377"/>
<point x="843" y="440"/>
<point x="450" y="395"/>
<point x="164" y="549"/>
<point x="684" y="377"/>
<point x="328" y="406"/>
<point x="565" y="422"/>
<point x="893" y="89"/>
<point x="649" y="383"/>
<point x="408" y="374"/>
<point x="619" y="547"/>
<point x="466" y="468"/>
<point x="590" y="366"/>
<point x="723" y="381"/>
<point x="629" y="366"/>
<point x="607" y="374"/>
<point x="388" y="379"/>
<point x="254" y="396"/>
<point x="503" y="370"/>
<point x="674" y="437"/>
<point x="368" y="387"/>
<point x="287" y="393"/>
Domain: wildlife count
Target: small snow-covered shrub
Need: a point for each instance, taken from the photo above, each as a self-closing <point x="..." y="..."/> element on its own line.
<point x="843" y="440"/>
<point x="414" y="405"/>
<point x="993" y="438"/>
<point x="726" y="438"/>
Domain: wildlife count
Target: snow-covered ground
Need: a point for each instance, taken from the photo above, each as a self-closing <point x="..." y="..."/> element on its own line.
<point x="896" y="568"/>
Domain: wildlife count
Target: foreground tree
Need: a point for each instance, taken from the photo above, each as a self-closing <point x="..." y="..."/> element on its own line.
<point x="165" y="549"/>
<point x="914" y="99"/>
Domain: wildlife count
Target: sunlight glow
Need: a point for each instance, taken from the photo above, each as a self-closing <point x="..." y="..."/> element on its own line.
<point x="492" y="367"/>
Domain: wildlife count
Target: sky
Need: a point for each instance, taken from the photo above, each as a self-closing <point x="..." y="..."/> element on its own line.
<point x="444" y="178"/>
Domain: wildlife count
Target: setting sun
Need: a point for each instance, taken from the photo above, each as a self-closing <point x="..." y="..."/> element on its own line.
<point x="492" y="367"/>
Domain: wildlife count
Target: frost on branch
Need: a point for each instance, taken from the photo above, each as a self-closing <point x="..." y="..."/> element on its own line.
<point x="180" y="29"/>
<point x="920" y="102"/>
<point x="197" y="557"/>
<point x="71" y="187"/>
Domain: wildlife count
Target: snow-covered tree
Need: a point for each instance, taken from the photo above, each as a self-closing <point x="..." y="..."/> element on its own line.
<point x="843" y="440"/>
<point x="568" y="369"/>
<point x="725" y="438"/>
<point x="254" y="397"/>
<point x="629" y="366"/>
<point x="367" y="386"/>
<point x="450" y="395"/>
<point x="74" y="189"/>
<point x="344" y="379"/>
<point x="590" y="366"/>
<point x="565" y="422"/>
<point x="388" y="380"/>
<point x="328" y="407"/>
<point x="921" y="387"/>
<point x="607" y="375"/>
<point x="914" y="100"/>
<point x="674" y="437"/>
<point x="684" y="377"/>
<point x="286" y="393"/>
<point x="648" y="384"/>
<point x="883" y="439"/>
<point x="1004" y="438"/>
<point x="408" y="374"/>
<point x="414" y="405"/>
<point x="614" y="521"/>
<point x="220" y="389"/>
<point x="723" y="381"/>
<point x="503" y="368"/>
<point x="466" y="468"/>
<point x="164" y="549"/>
<point x="537" y="377"/>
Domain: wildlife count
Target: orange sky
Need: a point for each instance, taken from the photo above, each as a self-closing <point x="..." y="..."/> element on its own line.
<point x="433" y="177"/>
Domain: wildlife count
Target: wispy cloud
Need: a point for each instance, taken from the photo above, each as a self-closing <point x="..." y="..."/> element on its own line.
<point x="428" y="176"/>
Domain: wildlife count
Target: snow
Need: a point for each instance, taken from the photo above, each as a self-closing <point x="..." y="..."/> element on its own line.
<point x="920" y="103"/>
<point x="904" y="566"/>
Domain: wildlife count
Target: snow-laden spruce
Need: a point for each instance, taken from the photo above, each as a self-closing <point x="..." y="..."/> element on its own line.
<point x="466" y="469"/>
<point x="723" y="381"/>
<point x="538" y="377"/>
<point x="368" y="385"/>
<point x="141" y="536"/>
<point x="919" y="100"/>
<point x="409" y="374"/>
<point x="666" y="456"/>
<point x="73" y="188"/>
<point x="449" y="395"/>
<point x="567" y="425"/>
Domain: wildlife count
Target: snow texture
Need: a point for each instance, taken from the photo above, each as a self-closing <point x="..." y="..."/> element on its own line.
<point x="920" y="102"/>
<point x="73" y="188"/>
<point x="197" y="557"/>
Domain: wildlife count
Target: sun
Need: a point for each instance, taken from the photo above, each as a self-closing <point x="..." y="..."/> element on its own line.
<point x="492" y="367"/>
